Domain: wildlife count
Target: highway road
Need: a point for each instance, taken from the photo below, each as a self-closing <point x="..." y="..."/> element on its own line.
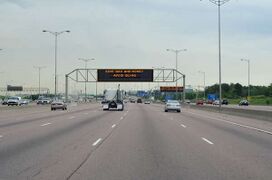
<point x="141" y="142"/>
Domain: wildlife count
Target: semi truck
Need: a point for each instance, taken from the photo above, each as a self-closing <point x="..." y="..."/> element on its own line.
<point x="113" y="100"/>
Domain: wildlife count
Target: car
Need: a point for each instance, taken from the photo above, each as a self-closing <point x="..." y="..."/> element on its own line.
<point x="5" y="101"/>
<point x="44" y="101"/>
<point x="199" y="102"/>
<point x="132" y="101"/>
<point x="225" y="102"/>
<point x="14" y="101"/>
<point x="187" y="101"/>
<point x="209" y="102"/>
<point x="24" y="101"/>
<point x="139" y="100"/>
<point x="125" y="101"/>
<point x="172" y="105"/>
<point x="58" y="105"/>
<point x="243" y="103"/>
<point x="147" y="102"/>
<point x="216" y="102"/>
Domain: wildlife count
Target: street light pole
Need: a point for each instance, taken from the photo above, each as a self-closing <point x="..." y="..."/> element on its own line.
<point x="39" y="69"/>
<point x="56" y="34"/>
<point x="219" y="3"/>
<point x="204" y="76"/>
<point x="176" y="51"/>
<point x="86" y="73"/>
<point x="248" y="77"/>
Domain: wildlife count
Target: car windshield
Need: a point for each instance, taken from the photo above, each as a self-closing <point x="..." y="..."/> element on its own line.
<point x="172" y="102"/>
<point x="14" y="98"/>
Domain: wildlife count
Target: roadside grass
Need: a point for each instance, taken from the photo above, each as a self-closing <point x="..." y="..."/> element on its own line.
<point x="254" y="100"/>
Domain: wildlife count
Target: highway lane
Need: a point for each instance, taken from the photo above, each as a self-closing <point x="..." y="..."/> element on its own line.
<point x="52" y="148"/>
<point x="142" y="142"/>
<point x="151" y="144"/>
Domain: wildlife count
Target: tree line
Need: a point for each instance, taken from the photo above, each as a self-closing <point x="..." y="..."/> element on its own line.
<point x="236" y="90"/>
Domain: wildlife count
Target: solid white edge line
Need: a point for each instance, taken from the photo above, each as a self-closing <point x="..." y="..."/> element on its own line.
<point x="206" y="140"/>
<point x="97" y="141"/>
<point x="46" y="124"/>
<point x="113" y="126"/>
<point x="183" y="125"/>
<point x="72" y="117"/>
<point x="237" y="124"/>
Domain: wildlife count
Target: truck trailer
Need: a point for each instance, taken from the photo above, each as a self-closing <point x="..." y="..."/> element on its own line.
<point x="113" y="100"/>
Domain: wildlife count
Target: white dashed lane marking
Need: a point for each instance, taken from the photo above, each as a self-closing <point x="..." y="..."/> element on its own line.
<point x="207" y="141"/>
<point x="97" y="141"/>
<point x="113" y="126"/>
<point x="45" y="124"/>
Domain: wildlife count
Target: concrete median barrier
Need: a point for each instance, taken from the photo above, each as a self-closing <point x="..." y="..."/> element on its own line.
<point x="249" y="113"/>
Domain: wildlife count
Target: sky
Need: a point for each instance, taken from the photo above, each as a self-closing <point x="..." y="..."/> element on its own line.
<point x="135" y="34"/>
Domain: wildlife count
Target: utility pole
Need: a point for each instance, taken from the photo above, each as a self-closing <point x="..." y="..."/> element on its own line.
<point x="176" y="51"/>
<point x="56" y="34"/>
<point x="39" y="69"/>
<point x="248" y="76"/>
<point x="86" y="74"/>
<point x="219" y="3"/>
<point x="204" y="76"/>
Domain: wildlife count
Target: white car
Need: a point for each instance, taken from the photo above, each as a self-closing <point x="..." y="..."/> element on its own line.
<point x="58" y="105"/>
<point x="147" y="102"/>
<point x="216" y="102"/>
<point x="14" y="101"/>
<point x="172" y="105"/>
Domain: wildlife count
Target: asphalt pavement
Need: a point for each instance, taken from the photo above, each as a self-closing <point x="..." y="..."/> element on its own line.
<point x="141" y="142"/>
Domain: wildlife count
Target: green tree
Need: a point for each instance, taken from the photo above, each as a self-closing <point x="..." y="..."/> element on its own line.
<point x="238" y="90"/>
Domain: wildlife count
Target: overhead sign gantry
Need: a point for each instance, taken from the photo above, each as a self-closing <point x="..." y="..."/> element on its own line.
<point x="127" y="75"/>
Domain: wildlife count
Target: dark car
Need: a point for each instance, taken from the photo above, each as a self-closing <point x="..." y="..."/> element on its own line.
<point x="225" y="102"/>
<point x="209" y="102"/>
<point x="139" y="100"/>
<point x="199" y="102"/>
<point x="5" y="102"/>
<point x="243" y="103"/>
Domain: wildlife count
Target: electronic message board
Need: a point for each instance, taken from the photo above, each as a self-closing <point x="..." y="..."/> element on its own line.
<point x="125" y="75"/>
<point x="14" y="88"/>
<point x="171" y="89"/>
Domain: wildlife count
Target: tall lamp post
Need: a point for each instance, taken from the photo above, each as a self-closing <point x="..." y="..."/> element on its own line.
<point x="204" y="76"/>
<point x="86" y="61"/>
<point x="39" y="69"/>
<point x="56" y="34"/>
<point x="248" y="77"/>
<point x="176" y="51"/>
<point x="219" y="3"/>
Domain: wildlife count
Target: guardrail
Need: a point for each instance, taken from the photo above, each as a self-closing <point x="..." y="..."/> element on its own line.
<point x="249" y="113"/>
